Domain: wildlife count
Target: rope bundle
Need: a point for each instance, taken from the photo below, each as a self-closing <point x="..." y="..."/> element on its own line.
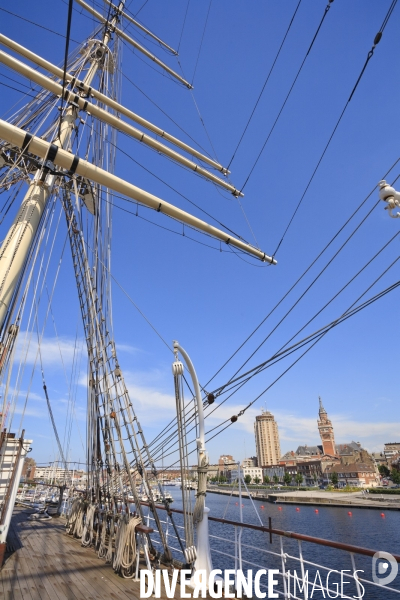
<point x="102" y="549"/>
<point x="125" y="547"/>
<point x="75" y="520"/>
<point x="87" y="533"/>
<point x="109" y="555"/>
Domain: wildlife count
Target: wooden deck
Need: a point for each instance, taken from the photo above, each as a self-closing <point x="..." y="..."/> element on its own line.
<point x="43" y="563"/>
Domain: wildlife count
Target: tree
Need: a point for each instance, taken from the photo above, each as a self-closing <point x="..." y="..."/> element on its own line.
<point x="266" y="479"/>
<point x="315" y="477"/>
<point x="276" y="479"/>
<point x="222" y="479"/>
<point x="334" y="478"/>
<point x="257" y="480"/>
<point x="287" y="478"/>
<point x="299" y="478"/>
<point x="395" y="475"/>
<point x="247" y="479"/>
<point x="383" y="470"/>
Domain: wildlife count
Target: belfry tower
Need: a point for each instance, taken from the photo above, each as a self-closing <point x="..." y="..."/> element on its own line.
<point x="326" y="431"/>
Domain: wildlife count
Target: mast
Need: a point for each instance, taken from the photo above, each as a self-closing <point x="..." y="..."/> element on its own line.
<point x="117" y="452"/>
<point x="19" y="239"/>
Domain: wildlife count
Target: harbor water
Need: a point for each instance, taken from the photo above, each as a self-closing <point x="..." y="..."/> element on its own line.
<point x="365" y="528"/>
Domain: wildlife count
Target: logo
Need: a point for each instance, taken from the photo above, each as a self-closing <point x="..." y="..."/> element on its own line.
<point x="387" y="566"/>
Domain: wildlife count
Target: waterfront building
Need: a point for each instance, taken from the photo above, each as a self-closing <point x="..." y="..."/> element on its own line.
<point x="355" y="475"/>
<point x="380" y="459"/>
<point x="53" y="473"/>
<point x="212" y="471"/>
<point x="329" y="452"/>
<point x="391" y="450"/>
<point x="253" y="472"/>
<point x="274" y="471"/>
<point x="267" y="439"/>
<point x="250" y="462"/>
<point x="226" y="464"/>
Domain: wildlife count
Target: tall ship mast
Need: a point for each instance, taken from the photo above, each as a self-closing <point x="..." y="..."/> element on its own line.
<point x="47" y="156"/>
<point x="58" y="160"/>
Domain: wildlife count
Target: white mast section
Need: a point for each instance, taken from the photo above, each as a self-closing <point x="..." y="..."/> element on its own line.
<point x="82" y="87"/>
<point x="144" y="29"/>
<point x="72" y="164"/>
<point x="18" y="241"/>
<point x="112" y="120"/>
<point x="135" y="44"/>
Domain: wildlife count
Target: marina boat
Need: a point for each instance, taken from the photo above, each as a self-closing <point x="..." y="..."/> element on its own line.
<point x="74" y="153"/>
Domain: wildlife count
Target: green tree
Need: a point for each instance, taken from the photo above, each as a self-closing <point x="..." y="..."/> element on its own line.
<point x="334" y="478"/>
<point x="257" y="480"/>
<point x="247" y="479"/>
<point x="299" y="478"/>
<point x="276" y="479"/>
<point x="266" y="479"/>
<point x="395" y="475"/>
<point x="383" y="470"/>
<point x="222" y="479"/>
<point x="287" y="478"/>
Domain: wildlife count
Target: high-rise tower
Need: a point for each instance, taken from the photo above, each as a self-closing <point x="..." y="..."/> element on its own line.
<point x="267" y="440"/>
<point x="325" y="428"/>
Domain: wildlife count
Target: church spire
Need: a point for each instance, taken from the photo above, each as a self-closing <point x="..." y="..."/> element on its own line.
<point x="321" y="408"/>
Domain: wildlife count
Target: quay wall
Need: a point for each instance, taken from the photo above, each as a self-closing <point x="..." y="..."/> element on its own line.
<point x="318" y="499"/>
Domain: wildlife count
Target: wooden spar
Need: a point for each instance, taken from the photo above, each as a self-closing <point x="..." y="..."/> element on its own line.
<point x="69" y="162"/>
<point x="112" y="120"/>
<point x="140" y="26"/>
<point x="135" y="44"/>
<point x="38" y="60"/>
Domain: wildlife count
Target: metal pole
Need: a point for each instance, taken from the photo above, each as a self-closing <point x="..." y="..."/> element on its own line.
<point x="203" y="560"/>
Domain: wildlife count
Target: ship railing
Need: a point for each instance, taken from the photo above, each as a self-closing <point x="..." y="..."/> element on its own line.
<point x="295" y="558"/>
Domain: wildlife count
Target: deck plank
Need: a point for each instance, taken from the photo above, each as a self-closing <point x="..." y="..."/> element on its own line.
<point x="47" y="564"/>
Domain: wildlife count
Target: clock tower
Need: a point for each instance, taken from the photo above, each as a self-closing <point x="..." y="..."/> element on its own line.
<point x="326" y="431"/>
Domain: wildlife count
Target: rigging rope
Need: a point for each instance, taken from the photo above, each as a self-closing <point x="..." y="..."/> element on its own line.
<point x="265" y="83"/>
<point x="201" y="42"/>
<point x="280" y="354"/>
<point x="314" y="261"/>
<point x="183" y="26"/>
<point x="369" y="56"/>
<point x="287" y="96"/>
<point x="38" y="25"/>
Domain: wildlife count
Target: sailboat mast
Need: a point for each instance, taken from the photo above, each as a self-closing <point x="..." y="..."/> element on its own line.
<point x="21" y="235"/>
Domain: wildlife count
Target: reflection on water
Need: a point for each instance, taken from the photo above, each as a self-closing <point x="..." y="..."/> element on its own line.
<point x="365" y="528"/>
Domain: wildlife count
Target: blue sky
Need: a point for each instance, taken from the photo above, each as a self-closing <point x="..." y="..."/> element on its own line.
<point x="209" y="300"/>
